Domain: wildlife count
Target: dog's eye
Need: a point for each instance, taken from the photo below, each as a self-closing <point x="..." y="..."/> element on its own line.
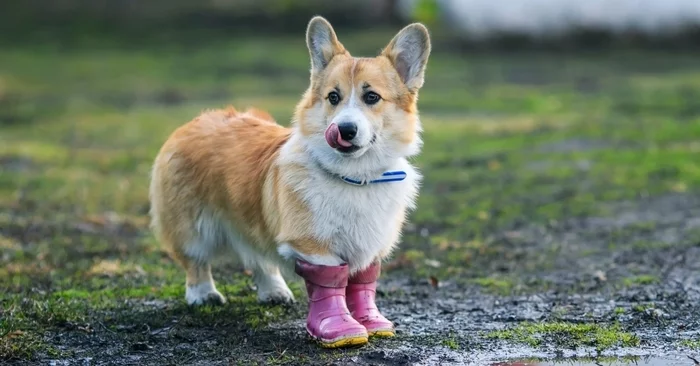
<point x="371" y="98"/>
<point x="333" y="98"/>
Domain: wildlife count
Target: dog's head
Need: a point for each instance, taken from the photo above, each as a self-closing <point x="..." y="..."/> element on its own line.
<point x="359" y="114"/>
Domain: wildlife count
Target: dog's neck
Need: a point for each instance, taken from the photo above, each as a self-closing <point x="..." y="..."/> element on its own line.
<point x="385" y="177"/>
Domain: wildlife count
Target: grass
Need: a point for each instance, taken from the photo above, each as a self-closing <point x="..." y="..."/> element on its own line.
<point x="450" y="343"/>
<point x="567" y="335"/>
<point x="640" y="280"/>
<point x="693" y="344"/>
<point x="494" y="285"/>
<point x="510" y="141"/>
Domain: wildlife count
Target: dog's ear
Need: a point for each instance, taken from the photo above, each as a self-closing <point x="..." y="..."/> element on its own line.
<point x="322" y="43"/>
<point x="408" y="51"/>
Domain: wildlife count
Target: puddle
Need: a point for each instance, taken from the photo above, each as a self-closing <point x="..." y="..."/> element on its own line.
<point x="636" y="361"/>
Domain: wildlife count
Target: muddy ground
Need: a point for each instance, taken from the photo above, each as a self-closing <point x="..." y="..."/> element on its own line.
<point x="559" y="219"/>
<point x="453" y="322"/>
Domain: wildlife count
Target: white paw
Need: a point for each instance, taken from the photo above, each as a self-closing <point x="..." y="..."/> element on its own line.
<point x="204" y="293"/>
<point x="277" y="295"/>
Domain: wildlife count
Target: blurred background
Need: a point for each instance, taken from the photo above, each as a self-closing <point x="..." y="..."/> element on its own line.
<point x="538" y="115"/>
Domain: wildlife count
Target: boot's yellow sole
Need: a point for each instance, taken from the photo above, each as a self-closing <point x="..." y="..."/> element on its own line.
<point x="382" y="333"/>
<point x="346" y="342"/>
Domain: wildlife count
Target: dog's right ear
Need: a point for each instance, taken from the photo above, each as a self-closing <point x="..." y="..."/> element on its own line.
<point x="322" y="43"/>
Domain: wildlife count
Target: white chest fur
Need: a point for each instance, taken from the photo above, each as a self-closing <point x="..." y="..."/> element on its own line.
<point x="360" y="222"/>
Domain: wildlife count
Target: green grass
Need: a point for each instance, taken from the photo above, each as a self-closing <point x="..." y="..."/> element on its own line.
<point x="640" y="280"/>
<point x="643" y="307"/>
<point x="693" y="344"/>
<point x="450" y="343"/>
<point x="567" y="335"/>
<point x="495" y="285"/>
<point x="508" y="139"/>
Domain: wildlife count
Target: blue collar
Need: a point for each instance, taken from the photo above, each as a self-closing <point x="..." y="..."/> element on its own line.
<point x="390" y="176"/>
<point x="386" y="177"/>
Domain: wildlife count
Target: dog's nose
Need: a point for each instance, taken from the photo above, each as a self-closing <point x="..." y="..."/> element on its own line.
<point x="348" y="130"/>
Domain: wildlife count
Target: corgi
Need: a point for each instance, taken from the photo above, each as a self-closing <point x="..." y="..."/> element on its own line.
<point x="327" y="195"/>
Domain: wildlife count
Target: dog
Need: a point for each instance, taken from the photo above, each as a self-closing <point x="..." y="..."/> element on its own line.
<point x="328" y="195"/>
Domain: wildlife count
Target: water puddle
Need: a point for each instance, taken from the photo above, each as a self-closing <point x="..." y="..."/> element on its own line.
<point x="636" y="361"/>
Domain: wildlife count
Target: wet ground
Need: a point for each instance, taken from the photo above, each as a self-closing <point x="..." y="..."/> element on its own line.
<point x="569" y="311"/>
<point x="559" y="222"/>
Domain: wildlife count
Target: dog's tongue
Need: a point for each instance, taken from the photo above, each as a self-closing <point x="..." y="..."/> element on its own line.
<point x="333" y="137"/>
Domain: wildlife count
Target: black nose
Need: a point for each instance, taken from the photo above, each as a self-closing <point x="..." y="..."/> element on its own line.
<point x="348" y="130"/>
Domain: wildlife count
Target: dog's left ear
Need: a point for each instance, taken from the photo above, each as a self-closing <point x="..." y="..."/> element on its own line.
<point x="408" y="51"/>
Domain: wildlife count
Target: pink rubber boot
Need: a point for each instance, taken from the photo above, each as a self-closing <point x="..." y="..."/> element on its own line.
<point x="360" y="293"/>
<point x="329" y="320"/>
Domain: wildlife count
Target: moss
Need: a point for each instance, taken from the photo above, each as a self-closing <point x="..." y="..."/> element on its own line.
<point x="171" y="291"/>
<point x="450" y="342"/>
<point x="74" y="294"/>
<point x="568" y="335"/>
<point x="640" y="308"/>
<point x="19" y="339"/>
<point x="20" y="345"/>
<point x="693" y="344"/>
<point x="640" y="280"/>
<point x="495" y="285"/>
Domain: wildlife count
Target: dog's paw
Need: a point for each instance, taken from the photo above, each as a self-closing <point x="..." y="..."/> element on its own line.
<point x="203" y="294"/>
<point x="212" y="298"/>
<point x="276" y="296"/>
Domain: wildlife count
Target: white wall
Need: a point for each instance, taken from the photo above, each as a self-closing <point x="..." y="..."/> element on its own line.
<point x="480" y="18"/>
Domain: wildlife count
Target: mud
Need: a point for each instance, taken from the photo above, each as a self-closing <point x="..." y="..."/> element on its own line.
<point x="449" y="321"/>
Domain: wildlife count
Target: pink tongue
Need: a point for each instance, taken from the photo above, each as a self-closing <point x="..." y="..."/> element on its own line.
<point x="333" y="137"/>
<point x="342" y="142"/>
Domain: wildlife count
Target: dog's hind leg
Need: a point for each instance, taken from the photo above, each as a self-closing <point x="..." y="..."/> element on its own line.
<point x="200" y="286"/>
<point x="199" y="283"/>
